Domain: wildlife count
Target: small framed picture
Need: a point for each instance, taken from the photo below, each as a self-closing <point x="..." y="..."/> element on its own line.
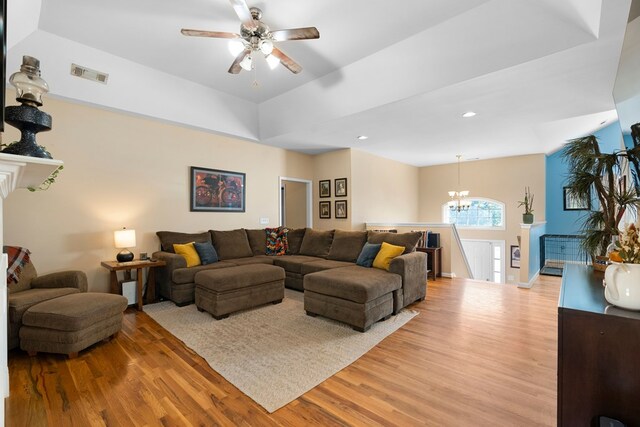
<point x="325" y="188"/>
<point x="515" y="256"/>
<point x="341" y="187"/>
<point x="325" y="210"/>
<point x="341" y="209"/>
<point x="575" y="203"/>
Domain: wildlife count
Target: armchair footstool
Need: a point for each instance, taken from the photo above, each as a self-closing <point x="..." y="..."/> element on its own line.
<point x="71" y="323"/>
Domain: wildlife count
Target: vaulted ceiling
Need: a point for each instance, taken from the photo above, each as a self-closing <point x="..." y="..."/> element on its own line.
<point x="536" y="72"/>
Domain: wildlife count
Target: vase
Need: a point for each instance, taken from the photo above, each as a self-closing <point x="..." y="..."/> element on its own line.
<point x="527" y="218"/>
<point x="623" y="285"/>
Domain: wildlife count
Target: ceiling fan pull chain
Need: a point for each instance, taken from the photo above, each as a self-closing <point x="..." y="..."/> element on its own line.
<point x="255" y="83"/>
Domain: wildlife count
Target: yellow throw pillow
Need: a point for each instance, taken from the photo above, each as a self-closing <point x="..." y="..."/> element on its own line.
<point x="188" y="251"/>
<point x="386" y="254"/>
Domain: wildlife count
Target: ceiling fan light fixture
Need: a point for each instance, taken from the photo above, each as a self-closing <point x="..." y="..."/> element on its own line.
<point x="272" y="61"/>
<point x="266" y="46"/>
<point x="247" y="63"/>
<point x="235" y="47"/>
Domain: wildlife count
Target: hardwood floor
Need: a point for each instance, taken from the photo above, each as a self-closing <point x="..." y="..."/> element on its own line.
<point x="477" y="354"/>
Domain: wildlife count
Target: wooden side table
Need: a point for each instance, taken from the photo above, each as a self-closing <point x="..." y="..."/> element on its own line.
<point x="115" y="266"/>
<point x="434" y="261"/>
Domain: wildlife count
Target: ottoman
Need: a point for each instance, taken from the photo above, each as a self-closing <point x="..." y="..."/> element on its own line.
<point x="357" y="296"/>
<point x="71" y="323"/>
<point x="227" y="290"/>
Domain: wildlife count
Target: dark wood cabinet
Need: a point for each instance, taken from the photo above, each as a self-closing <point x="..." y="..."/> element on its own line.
<point x="598" y="354"/>
<point x="434" y="261"/>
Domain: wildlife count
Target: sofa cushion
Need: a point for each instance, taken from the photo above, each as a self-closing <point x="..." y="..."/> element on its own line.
<point x="325" y="264"/>
<point x="186" y="275"/>
<point x="25" y="277"/>
<point x="408" y="240"/>
<point x="168" y="238"/>
<point x="257" y="241"/>
<point x="258" y="259"/>
<point x="316" y="243"/>
<point x="294" y="238"/>
<point x="206" y="252"/>
<point x="19" y="302"/>
<point x="188" y="251"/>
<point x="231" y="244"/>
<point x="355" y="283"/>
<point x="277" y="243"/>
<point x="347" y="245"/>
<point x="293" y="263"/>
<point x="386" y="254"/>
<point x="368" y="254"/>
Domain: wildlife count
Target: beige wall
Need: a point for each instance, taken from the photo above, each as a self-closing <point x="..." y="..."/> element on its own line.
<point x="295" y="206"/>
<point x="129" y="171"/>
<point x="329" y="166"/>
<point x="501" y="179"/>
<point x="383" y="190"/>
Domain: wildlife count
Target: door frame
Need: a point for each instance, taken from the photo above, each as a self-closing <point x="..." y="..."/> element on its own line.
<point x="308" y="184"/>
<point x="502" y="244"/>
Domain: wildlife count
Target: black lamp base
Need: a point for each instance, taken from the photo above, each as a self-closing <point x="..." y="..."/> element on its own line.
<point x="124" y="256"/>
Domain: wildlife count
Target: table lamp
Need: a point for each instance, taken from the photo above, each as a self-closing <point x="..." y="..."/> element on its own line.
<point x="124" y="239"/>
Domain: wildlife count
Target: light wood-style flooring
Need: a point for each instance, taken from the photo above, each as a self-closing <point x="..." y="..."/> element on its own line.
<point x="477" y="354"/>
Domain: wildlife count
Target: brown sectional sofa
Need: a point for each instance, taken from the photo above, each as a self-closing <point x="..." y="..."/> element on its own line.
<point x="311" y="258"/>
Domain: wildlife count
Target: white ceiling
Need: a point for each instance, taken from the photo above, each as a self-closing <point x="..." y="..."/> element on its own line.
<point x="536" y="71"/>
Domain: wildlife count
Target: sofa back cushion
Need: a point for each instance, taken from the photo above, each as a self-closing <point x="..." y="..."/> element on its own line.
<point x="170" y="238"/>
<point x="347" y="245"/>
<point x="257" y="241"/>
<point x="408" y="240"/>
<point x="231" y="244"/>
<point x="316" y="243"/>
<point x="294" y="238"/>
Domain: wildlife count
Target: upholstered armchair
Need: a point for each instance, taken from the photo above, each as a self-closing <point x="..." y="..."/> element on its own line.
<point x="31" y="289"/>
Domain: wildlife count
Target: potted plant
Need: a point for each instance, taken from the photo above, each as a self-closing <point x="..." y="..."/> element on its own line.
<point x="605" y="173"/>
<point x="527" y="216"/>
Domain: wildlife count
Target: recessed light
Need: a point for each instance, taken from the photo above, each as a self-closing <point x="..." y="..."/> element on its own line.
<point x="603" y="122"/>
<point x="468" y="114"/>
<point x="362" y="137"/>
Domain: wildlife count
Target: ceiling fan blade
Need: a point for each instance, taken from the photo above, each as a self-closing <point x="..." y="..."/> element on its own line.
<point x="242" y="10"/>
<point x="214" y="34"/>
<point x="235" y="67"/>
<point x="296" y="34"/>
<point x="292" y="65"/>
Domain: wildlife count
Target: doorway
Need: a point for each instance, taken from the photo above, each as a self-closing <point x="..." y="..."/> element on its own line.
<point x="295" y="203"/>
<point x="486" y="259"/>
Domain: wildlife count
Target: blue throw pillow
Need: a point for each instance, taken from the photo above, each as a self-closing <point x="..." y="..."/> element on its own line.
<point x="206" y="252"/>
<point x="368" y="254"/>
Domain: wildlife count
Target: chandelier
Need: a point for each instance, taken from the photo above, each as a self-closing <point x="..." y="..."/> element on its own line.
<point x="459" y="201"/>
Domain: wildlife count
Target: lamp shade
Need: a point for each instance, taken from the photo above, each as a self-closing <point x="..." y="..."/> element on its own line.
<point x="124" y="238"/>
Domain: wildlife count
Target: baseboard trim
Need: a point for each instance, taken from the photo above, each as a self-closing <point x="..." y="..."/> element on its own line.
<point x="529" y="285"/>
<point x="449" y="275"/>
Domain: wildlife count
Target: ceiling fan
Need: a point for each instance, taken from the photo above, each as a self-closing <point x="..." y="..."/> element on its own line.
<point x="255" y="36"/>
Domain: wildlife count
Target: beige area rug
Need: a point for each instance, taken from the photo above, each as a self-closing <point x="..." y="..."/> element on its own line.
<point x="275" y="353"/>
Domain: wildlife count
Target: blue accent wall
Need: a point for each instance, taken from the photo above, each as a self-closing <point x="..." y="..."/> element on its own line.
<point x="560" y="221"/>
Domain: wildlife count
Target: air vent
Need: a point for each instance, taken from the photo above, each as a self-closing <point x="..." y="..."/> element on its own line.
<point x="89" y="74"/>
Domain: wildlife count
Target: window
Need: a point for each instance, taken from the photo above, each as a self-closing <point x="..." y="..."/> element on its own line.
<point x="483" y="213"/>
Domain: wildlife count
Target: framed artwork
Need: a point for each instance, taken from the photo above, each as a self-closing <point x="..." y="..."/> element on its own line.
<point x="574" y="203"/>
<point x="515" y="256"/>
<point x="325" y="210"/>
<point x="325" y="188"/>
<point x="341" y="209"/>
<point x="341" y="187"/>
<point x="214" y="190"/>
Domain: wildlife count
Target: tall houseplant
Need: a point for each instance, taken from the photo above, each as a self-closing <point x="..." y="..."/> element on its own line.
<point x="606" y="175"/>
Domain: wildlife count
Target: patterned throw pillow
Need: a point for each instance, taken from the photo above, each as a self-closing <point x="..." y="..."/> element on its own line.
<point x="277" y="243"/>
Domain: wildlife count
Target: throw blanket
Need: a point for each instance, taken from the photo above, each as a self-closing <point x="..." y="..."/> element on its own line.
<point x="18" y="258"/>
